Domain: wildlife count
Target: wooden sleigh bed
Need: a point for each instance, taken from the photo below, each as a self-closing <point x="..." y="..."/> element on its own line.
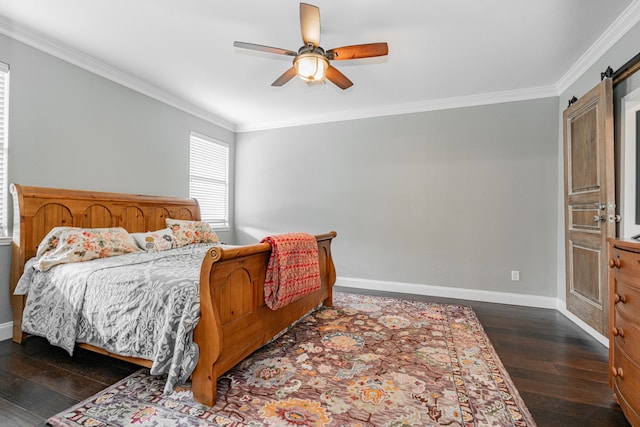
<point x="234" y="320"/>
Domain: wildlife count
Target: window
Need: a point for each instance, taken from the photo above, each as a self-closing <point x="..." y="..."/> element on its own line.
<point x="209" y="178"/>
<point x="4" y="111"/>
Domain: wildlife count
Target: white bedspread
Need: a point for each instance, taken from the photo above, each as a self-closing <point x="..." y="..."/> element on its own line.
<point x="141" y="304"/>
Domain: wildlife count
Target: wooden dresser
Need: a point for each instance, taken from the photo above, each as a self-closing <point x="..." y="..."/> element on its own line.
<point x="624" y="326"/>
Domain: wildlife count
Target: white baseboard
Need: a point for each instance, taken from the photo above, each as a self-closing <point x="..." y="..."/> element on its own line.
<point x="562" y="308"/>
<point x="446" y="292"/>
<point x="6" y="331"/>
<point x="472" y="295"/>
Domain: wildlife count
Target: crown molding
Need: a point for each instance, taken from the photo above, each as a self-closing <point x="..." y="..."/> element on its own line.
<point x="629" y="17"/>
<point x="610" y="37"/>
<point x="86" y="62"/>
<point x="415" y="107"/>
<point x="75" y="57"/>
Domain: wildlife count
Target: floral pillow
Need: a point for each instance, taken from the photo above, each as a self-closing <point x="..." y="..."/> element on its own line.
<point x="156" y="241"/>
<point x="188" y="232"/>
<point x="73" y="244"/>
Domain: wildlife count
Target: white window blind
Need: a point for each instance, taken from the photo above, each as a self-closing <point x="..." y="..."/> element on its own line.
<point x="4" y="134"/>
<point x="209" y="178"/>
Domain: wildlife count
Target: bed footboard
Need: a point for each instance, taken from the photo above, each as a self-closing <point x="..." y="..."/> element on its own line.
<point x="234" y="319"/>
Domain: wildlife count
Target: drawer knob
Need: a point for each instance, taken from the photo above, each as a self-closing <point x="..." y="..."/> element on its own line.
<point x="619" y="298"/>
<point x="617" y="372"/>
<point x="614" y="262"/>
<point x="617" y="332"/>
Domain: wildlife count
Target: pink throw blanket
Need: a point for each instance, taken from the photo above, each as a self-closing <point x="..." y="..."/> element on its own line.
<point x="293" y="269"/>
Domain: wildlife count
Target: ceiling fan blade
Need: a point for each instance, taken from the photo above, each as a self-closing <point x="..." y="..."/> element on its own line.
<point x="288" y="75"/>
<point x="267" y="49"/>
<point x="338" y="78"/>
<point x="310" y="24"/>
<point x="358" y="51"/>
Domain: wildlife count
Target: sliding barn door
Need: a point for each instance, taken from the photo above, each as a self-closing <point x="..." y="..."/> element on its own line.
<point x="590" y="216"/>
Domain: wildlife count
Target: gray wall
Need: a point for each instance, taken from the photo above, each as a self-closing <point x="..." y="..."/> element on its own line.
<point x="453" y="198"/>
<point x="70" y="128"/>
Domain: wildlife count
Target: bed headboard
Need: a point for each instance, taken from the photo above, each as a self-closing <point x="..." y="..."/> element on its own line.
<point x="36" y="210"/>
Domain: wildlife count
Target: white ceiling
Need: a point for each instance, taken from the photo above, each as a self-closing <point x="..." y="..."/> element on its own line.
<point x="441" y="53"/>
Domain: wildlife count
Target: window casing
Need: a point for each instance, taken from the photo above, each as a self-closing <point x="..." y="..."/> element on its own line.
<point x="209" y="178"/>
<point x="4" y="134"/>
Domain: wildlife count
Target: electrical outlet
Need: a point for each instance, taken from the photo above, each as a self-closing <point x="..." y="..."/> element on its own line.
<point x="515" y="275"/>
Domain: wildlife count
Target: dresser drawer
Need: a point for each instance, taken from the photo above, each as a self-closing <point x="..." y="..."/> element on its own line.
<point x="629" y="382"/>
<point x="626" y="336"/>
<point x="627" y="409"/>
<point x="625" y="260"/>
<point x="624" y="325"/>
<point x="627" y="276"/>
<point x="629" y="299"/>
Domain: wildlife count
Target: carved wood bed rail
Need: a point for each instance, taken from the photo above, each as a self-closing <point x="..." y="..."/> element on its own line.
<point x="234" y="320"/>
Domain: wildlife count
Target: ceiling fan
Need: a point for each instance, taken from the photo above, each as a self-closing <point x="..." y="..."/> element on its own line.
<point x="311" y="62"/>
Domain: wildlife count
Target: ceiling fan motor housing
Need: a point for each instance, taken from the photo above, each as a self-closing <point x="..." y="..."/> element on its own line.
<point x="311" y="64"/>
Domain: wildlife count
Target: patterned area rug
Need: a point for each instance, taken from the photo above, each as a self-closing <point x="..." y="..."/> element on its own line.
<point x="368" y="361"/>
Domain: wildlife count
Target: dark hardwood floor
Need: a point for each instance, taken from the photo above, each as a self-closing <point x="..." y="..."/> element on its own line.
<point x="560" y="371"/>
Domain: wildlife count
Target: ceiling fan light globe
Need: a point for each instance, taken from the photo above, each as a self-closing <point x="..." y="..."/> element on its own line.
<point x="311" y="67"/>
